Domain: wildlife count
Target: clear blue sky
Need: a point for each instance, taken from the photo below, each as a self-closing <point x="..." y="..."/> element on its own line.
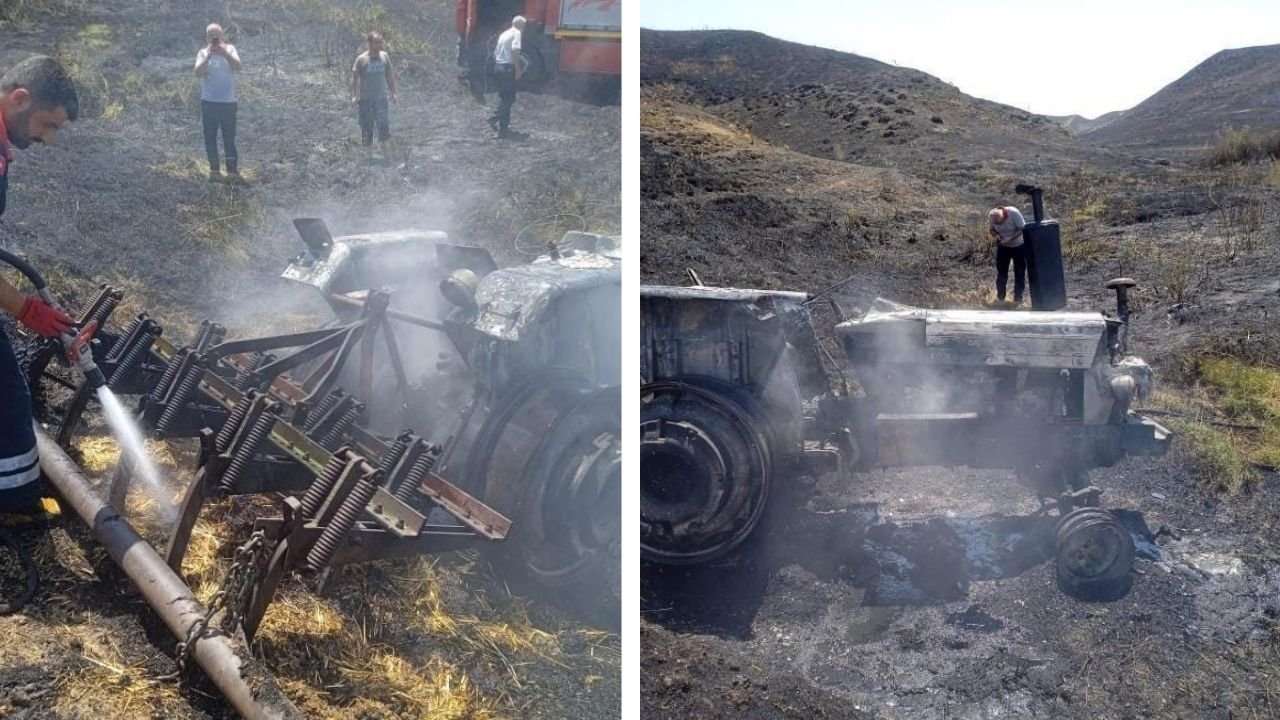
<point x="1086" y="57"/>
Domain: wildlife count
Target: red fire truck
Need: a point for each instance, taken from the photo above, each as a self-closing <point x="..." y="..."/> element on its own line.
<point x="563" y="39"/>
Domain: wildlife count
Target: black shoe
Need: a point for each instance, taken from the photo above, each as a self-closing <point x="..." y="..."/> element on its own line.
<point x="215" y="176"/>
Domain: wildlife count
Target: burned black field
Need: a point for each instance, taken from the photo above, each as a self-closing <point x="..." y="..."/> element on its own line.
<point x="932" y="592"/>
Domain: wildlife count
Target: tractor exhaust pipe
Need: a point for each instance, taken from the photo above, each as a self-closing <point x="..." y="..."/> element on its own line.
<point x="250" y="689"/>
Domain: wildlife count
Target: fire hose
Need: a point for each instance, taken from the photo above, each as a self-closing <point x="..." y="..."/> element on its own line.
<point x="246" y="685"/>
<point x="75" y="347"/>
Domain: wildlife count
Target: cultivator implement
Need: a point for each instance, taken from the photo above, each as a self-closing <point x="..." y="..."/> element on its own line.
<point x="527" y="465"/>
<point x="271" y="420"/>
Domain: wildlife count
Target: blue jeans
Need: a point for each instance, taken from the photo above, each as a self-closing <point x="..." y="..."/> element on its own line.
<point x="19" y="465"/>
<point x="374" y="112"/>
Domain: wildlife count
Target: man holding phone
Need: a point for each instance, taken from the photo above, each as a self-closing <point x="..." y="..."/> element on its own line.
<point x="216" y="66"/>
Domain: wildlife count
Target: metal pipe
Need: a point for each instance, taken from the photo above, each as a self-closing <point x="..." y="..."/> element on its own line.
<point x="245" y="683"/>
<point x="394" y="314"/>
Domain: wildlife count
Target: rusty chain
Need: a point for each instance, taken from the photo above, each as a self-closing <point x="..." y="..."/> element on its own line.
<point x="232" y="596"/>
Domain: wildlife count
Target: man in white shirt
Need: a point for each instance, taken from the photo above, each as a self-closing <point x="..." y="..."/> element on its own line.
<point x="507" y="68"/>
<point x="1005" y="224"/>
<point x="216" y="66"/>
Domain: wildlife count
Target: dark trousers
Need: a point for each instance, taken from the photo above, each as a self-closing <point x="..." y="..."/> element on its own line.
<point x="374" y="112"/>
<point x="1019" y="258"/>
<point x="220" y="116"/>
<point x="505" y="77"/>
<point x="19" y="481"/>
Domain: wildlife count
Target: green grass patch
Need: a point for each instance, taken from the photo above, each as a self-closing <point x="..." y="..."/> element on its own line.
<point x="1230" y="419"/>
<point x="1248" y="393"/>
<point x="1221" y="456"/>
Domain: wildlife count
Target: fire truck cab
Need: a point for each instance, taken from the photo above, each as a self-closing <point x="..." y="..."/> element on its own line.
<point x="563" y="39"/>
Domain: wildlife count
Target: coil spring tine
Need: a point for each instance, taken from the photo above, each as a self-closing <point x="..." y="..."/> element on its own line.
<point x="118" y="346"/>
<point x="247" y="449"/>
<point x="393" y="454"/>
<point x="108" y="306"/>
<point x="242" y="376"/>
<point x="103" y="290"/>
<point x="167" y="377"/>
<point x="411" y="480"/>
<point x="322" y="409"/>
<point x="179" y="397"/>
<point x="217" y="333"/>
<point x="323" y="484"/>
<point x="201" y="332"/>
<point x="229" y="428"/>
<point x="133" y="355"/>
<point x="341" y="427"/>
<point x="343" y="520"/>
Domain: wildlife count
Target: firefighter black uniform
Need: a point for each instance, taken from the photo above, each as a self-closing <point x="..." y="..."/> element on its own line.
<point x="19" y="464"/>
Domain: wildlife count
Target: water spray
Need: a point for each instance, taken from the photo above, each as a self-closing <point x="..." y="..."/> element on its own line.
<point x="77" y="348"/>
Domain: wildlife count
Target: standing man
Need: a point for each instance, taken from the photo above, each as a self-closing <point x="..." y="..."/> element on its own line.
<point x="1005" y="224"/>
<point x="36" y="99"/>
<point x="372" y="79"/>
<point x="216" y="65"/>
<point x="507" y="68"/>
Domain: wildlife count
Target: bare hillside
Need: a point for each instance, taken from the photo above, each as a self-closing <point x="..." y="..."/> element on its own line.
<point x="845" y="107"/>
<point x="1233" y="88"/>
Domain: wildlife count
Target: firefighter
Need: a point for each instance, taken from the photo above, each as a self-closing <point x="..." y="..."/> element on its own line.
<point x="507" y="68"/>
<point x="1005" y="224"/>
<point x="36" y="99"/>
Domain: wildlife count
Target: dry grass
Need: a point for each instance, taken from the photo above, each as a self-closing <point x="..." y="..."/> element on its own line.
<point x="20" y="11"/>
<point x="75" y="291"/>
<point x="111" y="683"/>
<point x="225" y="220"/>
<point x="1244" y="145"/>
<point x="362" y="651"/>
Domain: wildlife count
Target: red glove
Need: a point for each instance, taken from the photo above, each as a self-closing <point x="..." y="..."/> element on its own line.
<point x="46" y="321"/>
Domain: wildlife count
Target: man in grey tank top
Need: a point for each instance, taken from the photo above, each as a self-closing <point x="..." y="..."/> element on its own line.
<point x="373" y="80"/>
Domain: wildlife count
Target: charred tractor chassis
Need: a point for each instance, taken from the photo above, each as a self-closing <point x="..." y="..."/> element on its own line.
<point x="735" y="399"/>
<point x="519" y="406"/>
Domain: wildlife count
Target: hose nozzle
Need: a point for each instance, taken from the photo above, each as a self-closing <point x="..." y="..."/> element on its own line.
<point x="81" y="355"/>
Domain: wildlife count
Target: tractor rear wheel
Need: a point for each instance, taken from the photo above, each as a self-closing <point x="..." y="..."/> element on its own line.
<point x="550" y="459"/>
<point x="705" y="466"/>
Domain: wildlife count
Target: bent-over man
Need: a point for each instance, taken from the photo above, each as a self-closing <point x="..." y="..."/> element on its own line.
<point x="1005" y="224"/>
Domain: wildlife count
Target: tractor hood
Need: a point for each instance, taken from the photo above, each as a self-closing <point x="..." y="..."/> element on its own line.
<point x="510" y="300"/>
<point x="368" y="260"/>
<point x="900" y="334"/>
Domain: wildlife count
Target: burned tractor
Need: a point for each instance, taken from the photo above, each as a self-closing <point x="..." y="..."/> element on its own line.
<point x="449" y="404"/>
<point x="735" y="399"/>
